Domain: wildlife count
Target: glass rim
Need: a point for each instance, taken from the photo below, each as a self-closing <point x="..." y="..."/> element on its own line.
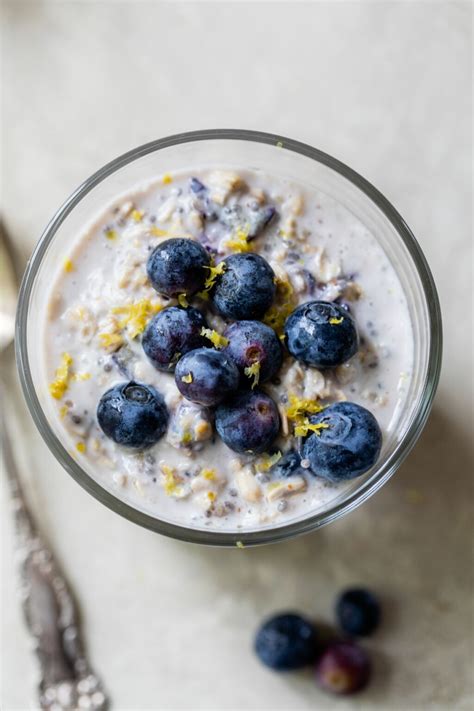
<point x="265" y="535"/>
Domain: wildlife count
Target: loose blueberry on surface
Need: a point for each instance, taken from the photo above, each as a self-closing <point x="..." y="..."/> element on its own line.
<point x="348" y="447"/>
<point x="206" y="376"/>
<point x="133" y="415"/>
<point x="253" y="342"/>
<point x="288" y="465"/>
<point x="358" y="612"/>
<point x="343" y="668"/>
<point x="321" y="334"/>
<point x="246" y="289"/>
<point x="248" y="422"/>
<point x="178" y="266"/>
<point x="286" y="641"/>
<point x="172" y="333"/>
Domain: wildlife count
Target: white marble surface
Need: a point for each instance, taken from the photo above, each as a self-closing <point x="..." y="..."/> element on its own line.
<point x="385" y="87"/>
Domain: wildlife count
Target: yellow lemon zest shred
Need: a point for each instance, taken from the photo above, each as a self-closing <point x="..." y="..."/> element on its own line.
<point x="61" y="382"/>
<point x="110" y="234"/>
<point x="336" y="321"/>
<point x="239" y="242"/>
<point x="137" y="215"/>
<point x="81" y="447"/>
<point x="253" y="371"/>
<point x="267" y="461"/>
<point x="158" y="232"/>
<point x="111" y="340"/>
<point x="167" y="179"/>
<point x="214" y="272"/>
<point x="79" y="377"/>
<point x="211" y="495"/>
<point x="239" y="544"/>
<point x="68" y="266"/>
<point x="209" y="474"/>
<point x="302" y="429"/>
<point x="170" y="485"/>
<point x="136" y="316"/>
<point x="182" y="301"/>
<point x="187" y="378"/>
<point x="63" y="410"/>
<point x="216" y="339"/>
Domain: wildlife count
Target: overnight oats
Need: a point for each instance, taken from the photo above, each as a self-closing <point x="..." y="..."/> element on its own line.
<point x="226" y="349"/>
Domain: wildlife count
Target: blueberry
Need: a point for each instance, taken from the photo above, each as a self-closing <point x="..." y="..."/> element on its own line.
<point x="321" y="334"/>
<point x="178" y="266"/>
<point x="250" y="343"/>
<point x="358" y="612"/>
<point x="172" y="333"/>
<point x="286" y="641"/>
<point x="343" y="668"/>
<point x="248" y="422"/>
<point x="133" y="415"/>
<point x="206" y="376"/>
<point x="196" y="186"/>
<point x="349" y="445"/>
<point x="246" y="289"/>
<point x="288" y="465"/>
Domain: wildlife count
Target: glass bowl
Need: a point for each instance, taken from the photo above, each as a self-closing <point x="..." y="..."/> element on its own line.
<point x="281" y="157"/>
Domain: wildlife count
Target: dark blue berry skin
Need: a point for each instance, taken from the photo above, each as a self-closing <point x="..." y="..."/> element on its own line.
<point x="246" y="289"/>
<point x="288" y="465"/>
<point x="285" y="642"/>
<point x="133" y="415"/>
<point x="312" y="339"/>
<point x="343" y="668"/>
<point x="252" y="341"/>
<point x="358" y="612"/>
<point x="248" y="422"/>
<point x="214" y="376"/>
<point x="172" y="333"/>
<point x="178" y="266"/>
<point x="348" y="447"/>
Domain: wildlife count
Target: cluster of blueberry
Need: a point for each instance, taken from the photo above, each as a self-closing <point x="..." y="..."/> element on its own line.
<point x="341" y="441"/>
<point x="289" y="641"/>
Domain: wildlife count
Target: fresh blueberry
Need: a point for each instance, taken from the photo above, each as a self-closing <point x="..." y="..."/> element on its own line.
<point x="358" y="612"/>
<point x="349" y="444"/>
<point x="343" y="668"/>
<point x="172" y="333"/>
<point x="206" y="376"/>
<point x="178" y="266"/>
<point x="248" y="422"/>
<point x="246" y="288"/>
<point x="133" y="415"/>
<point x="288" y="465"/>
<point x="321" y="334"/>
<point x="252" y="343"/>
<point x="285" y="642"/>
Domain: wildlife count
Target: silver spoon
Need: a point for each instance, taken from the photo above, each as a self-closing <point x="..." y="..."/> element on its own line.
<point x="67" y="681"/>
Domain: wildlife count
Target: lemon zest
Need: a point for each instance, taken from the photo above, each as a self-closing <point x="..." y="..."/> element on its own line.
<point x="239" y="243"/>
<point x="211" y="495"/>
<point x="214" y="272"/>
<point x="277" y="314"/>
<point x="68" y="266"/>
<point x="158" y="232"/>
<point x="216" y="339"/>
<point x="81" y="447"/>
<point x="253" y="371"/>
<point x="187" y="378"/>
<point x="137" y="215"/>
<point x="167" y="179"/>
<point x="111" y="340"/>
<point x="110" y="234"/>
<point x="336" y="321"/>
<point x="302" y="429"/>
<point x="299" y="407"/>
<point x="61" y="383"/>
<point x="187" y="437"/>
<point x="171" y="485"/>
<point x="136" y="316"/>
<point x="267" y="461"/>
<point x="182" y="301"/>
<point x="239" y="544"/>
<point x="209" y="474"/>
<point x="63" y="411"/>
<point x="79" y="377"/>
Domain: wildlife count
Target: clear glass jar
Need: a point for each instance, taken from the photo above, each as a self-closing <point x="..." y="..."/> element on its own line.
<point x="277" y="156"/>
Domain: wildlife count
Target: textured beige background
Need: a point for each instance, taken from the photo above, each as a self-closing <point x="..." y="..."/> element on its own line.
<point x="383" y="86"/>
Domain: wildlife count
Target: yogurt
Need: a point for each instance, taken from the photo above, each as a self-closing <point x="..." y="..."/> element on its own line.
<point x="102" y="300"/>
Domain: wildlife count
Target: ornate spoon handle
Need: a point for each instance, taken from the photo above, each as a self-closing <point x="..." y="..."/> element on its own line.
<point x="67" y="681"/>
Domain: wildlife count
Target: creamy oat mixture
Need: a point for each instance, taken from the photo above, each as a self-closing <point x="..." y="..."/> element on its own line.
<point x="102" y="301"/>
